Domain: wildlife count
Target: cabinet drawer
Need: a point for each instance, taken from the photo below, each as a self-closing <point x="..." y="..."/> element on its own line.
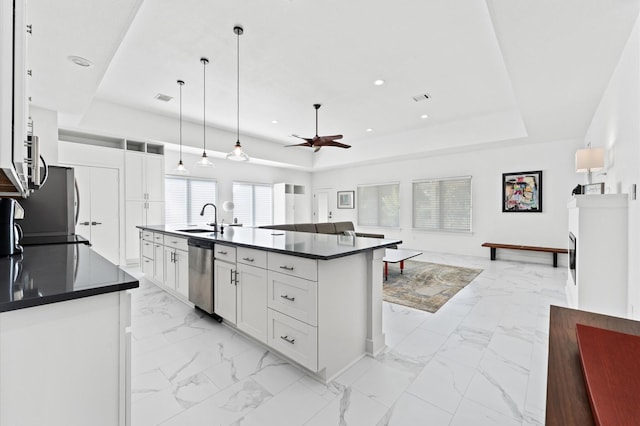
<point x="147" y="235"/>
<point x="293" y="296"/>
<point x="295" y="339"/>
<point x="147" y="267"/>
<point x="147" y="249"/>
<point x="176" y="242"/>
<point x="257" y="258"/>
<point x="158" y="238"/>
<point x="292" y="265"/>
<point x="222" y="252"/>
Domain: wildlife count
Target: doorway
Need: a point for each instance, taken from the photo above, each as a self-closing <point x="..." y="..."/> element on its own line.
<point x="321" y="212"/>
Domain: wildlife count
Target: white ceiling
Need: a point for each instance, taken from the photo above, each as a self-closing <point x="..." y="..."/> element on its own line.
<point x="528" y="70"/>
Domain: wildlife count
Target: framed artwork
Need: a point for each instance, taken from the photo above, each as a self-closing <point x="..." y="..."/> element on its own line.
<point x="345" y="199"/>
<point x="522" y="192"/>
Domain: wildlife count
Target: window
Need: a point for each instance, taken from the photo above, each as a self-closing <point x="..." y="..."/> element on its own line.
<point x="253" y="203"/>
<point x="379" y="205"/>
<point x="184" y="198"/>
<point x="442" y="204"/>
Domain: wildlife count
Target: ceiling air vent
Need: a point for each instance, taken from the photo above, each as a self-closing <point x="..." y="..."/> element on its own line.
<point x="421" y="97"/>
<point x="162" y="97"/>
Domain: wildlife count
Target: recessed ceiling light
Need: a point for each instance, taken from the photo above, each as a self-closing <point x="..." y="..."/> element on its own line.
<point x="378" y="82"/>
<point x="275" y="121"/>
<point x="162" y="97"/>
<point x="369" y="129"/>
<point x="80" y="61"/>
<point x="424" y="116"/>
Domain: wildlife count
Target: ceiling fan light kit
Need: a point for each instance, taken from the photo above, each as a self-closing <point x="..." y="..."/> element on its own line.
<point x="237" y="154"/>
<point x="318" y="142"/>
<point x="204" y="160"/>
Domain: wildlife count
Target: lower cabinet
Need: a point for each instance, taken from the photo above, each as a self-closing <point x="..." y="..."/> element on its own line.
<point x="177" y="270"/>
<point x="165" y="261"/>
<point x="224" y="290"/>
<point x="252" y="301"/>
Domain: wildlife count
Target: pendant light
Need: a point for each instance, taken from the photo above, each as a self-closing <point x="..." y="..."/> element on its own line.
<point x="237" y="154"/>
<point x="204" y="161"/>
<point x="181" y="169"/>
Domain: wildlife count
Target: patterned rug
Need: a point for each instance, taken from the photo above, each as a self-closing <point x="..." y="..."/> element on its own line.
<point x="425" y="286"/>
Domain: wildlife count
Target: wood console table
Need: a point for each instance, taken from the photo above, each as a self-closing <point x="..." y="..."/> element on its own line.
<point x="567" y="398"/>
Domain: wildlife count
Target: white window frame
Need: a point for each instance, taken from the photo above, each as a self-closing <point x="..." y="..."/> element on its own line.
<point x="189" y="200"/>
<point x="440" y="228"/>
<point x="359" y="200"/>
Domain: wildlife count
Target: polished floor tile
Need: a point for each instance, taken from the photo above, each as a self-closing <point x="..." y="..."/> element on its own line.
<point x="481" y="360"/>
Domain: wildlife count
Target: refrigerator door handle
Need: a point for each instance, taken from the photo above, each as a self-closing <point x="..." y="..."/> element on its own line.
<point x="77" y="190"/>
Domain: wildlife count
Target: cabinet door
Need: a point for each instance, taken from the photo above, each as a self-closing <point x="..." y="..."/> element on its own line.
<point x="158" y="264"/>
<point x="134" y="176"/>
<point x="155" y="213"/>
<point x="252" y="301"/>
<point x="224" y="290"/>
<point x="134" y="215"/>
<point x="154" y="177"/>
<point x="169" y="268"/>
<point x="181" y="264"/>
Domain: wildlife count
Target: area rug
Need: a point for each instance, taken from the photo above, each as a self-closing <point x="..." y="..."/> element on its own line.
<point x="425" y="286"/>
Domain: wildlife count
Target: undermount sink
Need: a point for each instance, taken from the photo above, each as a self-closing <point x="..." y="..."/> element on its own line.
<point x="195" y="230"/>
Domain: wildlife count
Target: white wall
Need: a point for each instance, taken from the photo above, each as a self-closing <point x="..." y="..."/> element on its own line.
<point x="226" y="172"/>
<point x="616" y="127"/>
<point x="549" y="228"/>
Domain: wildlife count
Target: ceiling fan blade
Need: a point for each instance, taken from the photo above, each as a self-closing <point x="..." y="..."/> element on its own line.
<point x="338" y="144"/>
<point x="300" y="137"/>
<point x="321" y="140"/>
<point x="300" y="144"/>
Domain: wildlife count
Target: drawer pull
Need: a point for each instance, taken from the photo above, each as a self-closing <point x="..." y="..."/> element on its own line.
<point x="290" y="299"/>
<point x="146" y="244"/>
<point x="248" y="259"/>
<point x="288" y="340"/>
<point x="287" y="268"/>
<point x="222" y="253"/>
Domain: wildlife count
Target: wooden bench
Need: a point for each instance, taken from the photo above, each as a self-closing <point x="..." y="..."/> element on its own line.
<point x="554" y="251"/>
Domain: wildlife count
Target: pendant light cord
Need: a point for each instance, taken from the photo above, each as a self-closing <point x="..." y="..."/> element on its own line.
<point x="204" y="105"/>
<point x="180" y="83"/>
<point x="238" y="88"/>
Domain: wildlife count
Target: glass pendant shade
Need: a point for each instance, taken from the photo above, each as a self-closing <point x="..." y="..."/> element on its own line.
<point x="237" y="154"/>
<point x="204" y="160"/>
<point x="180" y="169"/>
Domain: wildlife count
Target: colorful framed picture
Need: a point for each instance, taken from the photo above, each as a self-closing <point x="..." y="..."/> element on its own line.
<point x="522" y="192"/>
<point x="346" y="199"/>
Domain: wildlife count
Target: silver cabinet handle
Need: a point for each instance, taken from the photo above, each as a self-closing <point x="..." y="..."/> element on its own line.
<point x="222" y="252"/>
<point x="84" y="223"/>
<point x="146" y="244"/>
<point x="96" y="223"/>
<point x="287" y="268"/>
<point x="285" y="296"/>
<point x="248" y="259"/>
<point x="288" y="339"/>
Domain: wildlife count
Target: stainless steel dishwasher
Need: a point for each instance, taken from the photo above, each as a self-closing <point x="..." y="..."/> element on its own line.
<point x="201" y="274"/>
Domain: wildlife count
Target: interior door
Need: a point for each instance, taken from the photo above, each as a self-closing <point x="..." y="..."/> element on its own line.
<point x="99" y="209"/>
<point x="321" y="211"/>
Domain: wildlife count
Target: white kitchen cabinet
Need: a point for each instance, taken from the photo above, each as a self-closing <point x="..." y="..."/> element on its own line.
<point x="158" y="262"/>
<point x="224" y="290"/>
<point x="291" y="204"/>
<point x="252" y="300"/>
<point x="67" y="363"/>
<point x="140" y="213"/>
<point x="176" y="261"/>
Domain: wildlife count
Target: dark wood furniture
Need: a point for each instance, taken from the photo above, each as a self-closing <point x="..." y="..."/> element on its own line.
<point x="554" y="251"/>
<point x="567" y="398"/>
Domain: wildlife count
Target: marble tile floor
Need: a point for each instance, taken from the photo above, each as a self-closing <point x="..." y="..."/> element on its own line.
<point x="480" y="360"/>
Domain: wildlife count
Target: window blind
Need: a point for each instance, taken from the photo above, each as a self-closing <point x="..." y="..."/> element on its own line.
<point x="442" y="204"/>
<point x="184" y="198"/>
<point x="379" y="205"/>
<point x="253" y="203"/>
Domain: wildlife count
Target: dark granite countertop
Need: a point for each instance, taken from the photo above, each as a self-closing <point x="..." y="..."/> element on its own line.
<point x="45" y="274"/>
<point x="301" y="244"/>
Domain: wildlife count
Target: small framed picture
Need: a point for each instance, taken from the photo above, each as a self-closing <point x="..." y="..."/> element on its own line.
<point x="345" y="199"/>
<point x="522" y="192"/>
<point x="593" y="188"/>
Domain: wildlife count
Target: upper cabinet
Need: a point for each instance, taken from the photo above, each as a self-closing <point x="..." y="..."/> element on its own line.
<point x="290" y="204"/>
<point x="13" y="102"/>
<point x="144" y="176"/>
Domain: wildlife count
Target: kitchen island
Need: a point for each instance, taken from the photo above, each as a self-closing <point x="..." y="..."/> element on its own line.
<point x="64" y="338"/>
<point x="314" y="298"/>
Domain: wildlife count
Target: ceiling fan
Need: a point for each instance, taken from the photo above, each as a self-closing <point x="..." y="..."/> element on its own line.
<point x="318" y="142"/>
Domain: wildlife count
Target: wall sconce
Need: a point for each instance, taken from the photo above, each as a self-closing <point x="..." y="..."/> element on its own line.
<point x="589" y="160"/>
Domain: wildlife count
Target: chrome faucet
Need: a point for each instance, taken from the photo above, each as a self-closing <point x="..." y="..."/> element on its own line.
<point x="215" y="216"/>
